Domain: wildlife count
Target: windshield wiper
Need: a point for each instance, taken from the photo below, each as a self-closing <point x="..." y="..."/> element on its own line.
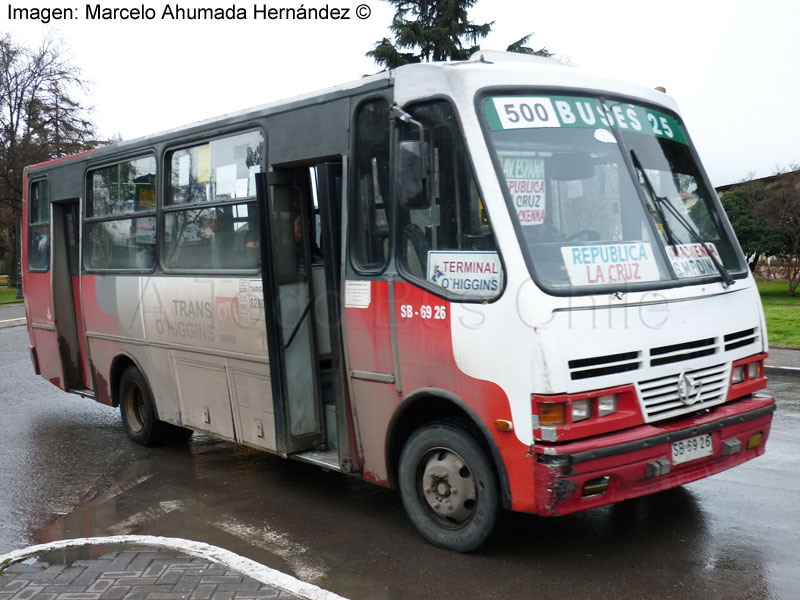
<point x="662" y="201"/>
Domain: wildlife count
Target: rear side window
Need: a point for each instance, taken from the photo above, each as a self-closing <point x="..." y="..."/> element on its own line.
<point x="120" y="228"/>
<point x="210" y="218"/>
<point x="39" y="227"/>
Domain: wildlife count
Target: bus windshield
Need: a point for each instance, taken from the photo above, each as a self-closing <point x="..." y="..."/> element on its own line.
<point x="607" y="194"/>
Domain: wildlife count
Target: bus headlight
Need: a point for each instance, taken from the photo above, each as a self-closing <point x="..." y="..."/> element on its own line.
<point x="754" y="370"/>
<point x="607" y="405"/>
<point x="747" y="376"/>
<point x="581" y="410"/>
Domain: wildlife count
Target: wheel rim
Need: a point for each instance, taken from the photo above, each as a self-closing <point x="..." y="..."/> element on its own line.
<point x="134" y="408"/>
<point x="448" y="487"/>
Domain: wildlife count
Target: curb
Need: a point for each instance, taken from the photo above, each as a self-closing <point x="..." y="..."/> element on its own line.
<point x="245" y="566"/>
<point x="787" y="371"/>
<point x="12" y="322"/>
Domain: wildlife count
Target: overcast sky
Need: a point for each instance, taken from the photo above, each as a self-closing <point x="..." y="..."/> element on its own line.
<point x="731" y="65"/>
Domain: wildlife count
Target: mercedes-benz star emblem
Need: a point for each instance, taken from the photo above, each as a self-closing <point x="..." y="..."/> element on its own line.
<point x="689" y="390"/>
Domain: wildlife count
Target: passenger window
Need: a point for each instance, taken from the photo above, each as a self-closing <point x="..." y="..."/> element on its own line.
<point x="446" y="238"/>
<point x="369" y="218"/>
<point x="216" y="171"/>
<point x="39" y="227"/>
<point x="120" y="228"/>
<point x="219" y="237"/>
<point x="210" y="221"/>
<point x="124" y="188"/>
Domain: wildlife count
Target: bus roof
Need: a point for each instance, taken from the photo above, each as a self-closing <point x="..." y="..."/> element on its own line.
<point x="484" y="69"/>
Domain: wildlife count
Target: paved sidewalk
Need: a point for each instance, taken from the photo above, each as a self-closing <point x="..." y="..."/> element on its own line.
<point x="132" y="571"/>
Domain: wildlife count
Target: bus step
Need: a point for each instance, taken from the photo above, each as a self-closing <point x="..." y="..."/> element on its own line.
<point x="328" y="459"/>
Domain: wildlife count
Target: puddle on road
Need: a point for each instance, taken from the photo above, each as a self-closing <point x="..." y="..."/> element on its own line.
<point x="210" y="491"/>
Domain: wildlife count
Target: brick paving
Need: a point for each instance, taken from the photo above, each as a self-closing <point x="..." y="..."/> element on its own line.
<point x="131" y="574"/>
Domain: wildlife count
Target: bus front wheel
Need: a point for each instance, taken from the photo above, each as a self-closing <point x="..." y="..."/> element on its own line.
<point x="448" y="487"/>
<point x="138" y="411"/>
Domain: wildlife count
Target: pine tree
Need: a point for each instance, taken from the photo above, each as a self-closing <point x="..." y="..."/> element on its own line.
<point x="436" y="30"/>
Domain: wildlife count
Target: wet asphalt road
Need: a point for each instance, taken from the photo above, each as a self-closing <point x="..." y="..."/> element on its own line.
<point x="68" y="471"/>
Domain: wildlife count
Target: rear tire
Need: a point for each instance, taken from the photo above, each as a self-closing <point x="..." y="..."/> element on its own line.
<point x="138" y="411"/>
<point x="448" y="487"/>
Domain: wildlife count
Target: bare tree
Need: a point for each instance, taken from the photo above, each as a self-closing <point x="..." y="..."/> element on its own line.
<point x="40" y="119"/>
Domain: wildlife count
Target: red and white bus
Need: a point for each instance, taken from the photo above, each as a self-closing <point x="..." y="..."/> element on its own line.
<point x="495" y="284"/>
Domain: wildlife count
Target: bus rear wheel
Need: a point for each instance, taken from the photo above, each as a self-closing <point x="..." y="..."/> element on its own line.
<point x="138" y="411"/>
<point x="448" y="487"/>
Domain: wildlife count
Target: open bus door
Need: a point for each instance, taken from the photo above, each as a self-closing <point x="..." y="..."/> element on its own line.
<point x="65" y="274"/>
<point x="286" y="255"/>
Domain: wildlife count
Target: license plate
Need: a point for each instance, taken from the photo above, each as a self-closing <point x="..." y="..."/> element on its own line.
<point x="691" y="449"/>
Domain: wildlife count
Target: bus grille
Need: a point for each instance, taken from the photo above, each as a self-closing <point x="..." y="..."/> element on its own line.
<point x="584" y="368"/>
<point x="740" y="338"/>
<point x="684" y="351"/>
<point x="661" y="397"/>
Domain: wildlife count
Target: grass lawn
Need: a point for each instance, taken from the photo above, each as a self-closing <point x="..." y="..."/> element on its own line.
<point x="782" y="312"/>
<point x="777" y="292"/>
<point x="8" y="295"/>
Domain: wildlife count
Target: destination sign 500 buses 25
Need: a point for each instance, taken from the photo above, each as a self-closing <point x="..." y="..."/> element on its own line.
<point x="530" y="112"/>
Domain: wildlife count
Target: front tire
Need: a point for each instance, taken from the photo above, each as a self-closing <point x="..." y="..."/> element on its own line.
<point x="448" y="487"/>
<point x="138" y="411"/>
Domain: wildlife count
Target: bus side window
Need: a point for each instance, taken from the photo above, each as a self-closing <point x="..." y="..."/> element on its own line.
<point x="210" y="215"/>
<point x="369" y="217"/>
<point x="447" y="240"/>
<point x="39" y="227"/>
<point x="120" y="228"/>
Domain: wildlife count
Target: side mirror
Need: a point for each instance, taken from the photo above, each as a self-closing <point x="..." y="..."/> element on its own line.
<point x="412" y="174"/>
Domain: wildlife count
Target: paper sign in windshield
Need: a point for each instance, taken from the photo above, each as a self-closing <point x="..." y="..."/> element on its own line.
<point x="525" y="179"/>
<point x="610" y="264"/>
<point x="692" y="260"/>
<point x="466" y="272"/>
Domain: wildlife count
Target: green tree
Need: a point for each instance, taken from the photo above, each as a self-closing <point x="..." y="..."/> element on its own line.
<point x="755" y="236"/>
<point x="40" y="119"/>
<point x="436" y="30"/>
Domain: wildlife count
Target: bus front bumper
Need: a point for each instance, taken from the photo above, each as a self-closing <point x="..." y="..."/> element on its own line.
<point x="639" y="461"/>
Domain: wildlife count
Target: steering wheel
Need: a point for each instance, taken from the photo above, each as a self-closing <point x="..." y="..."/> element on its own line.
<point x="592" y="235"/>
